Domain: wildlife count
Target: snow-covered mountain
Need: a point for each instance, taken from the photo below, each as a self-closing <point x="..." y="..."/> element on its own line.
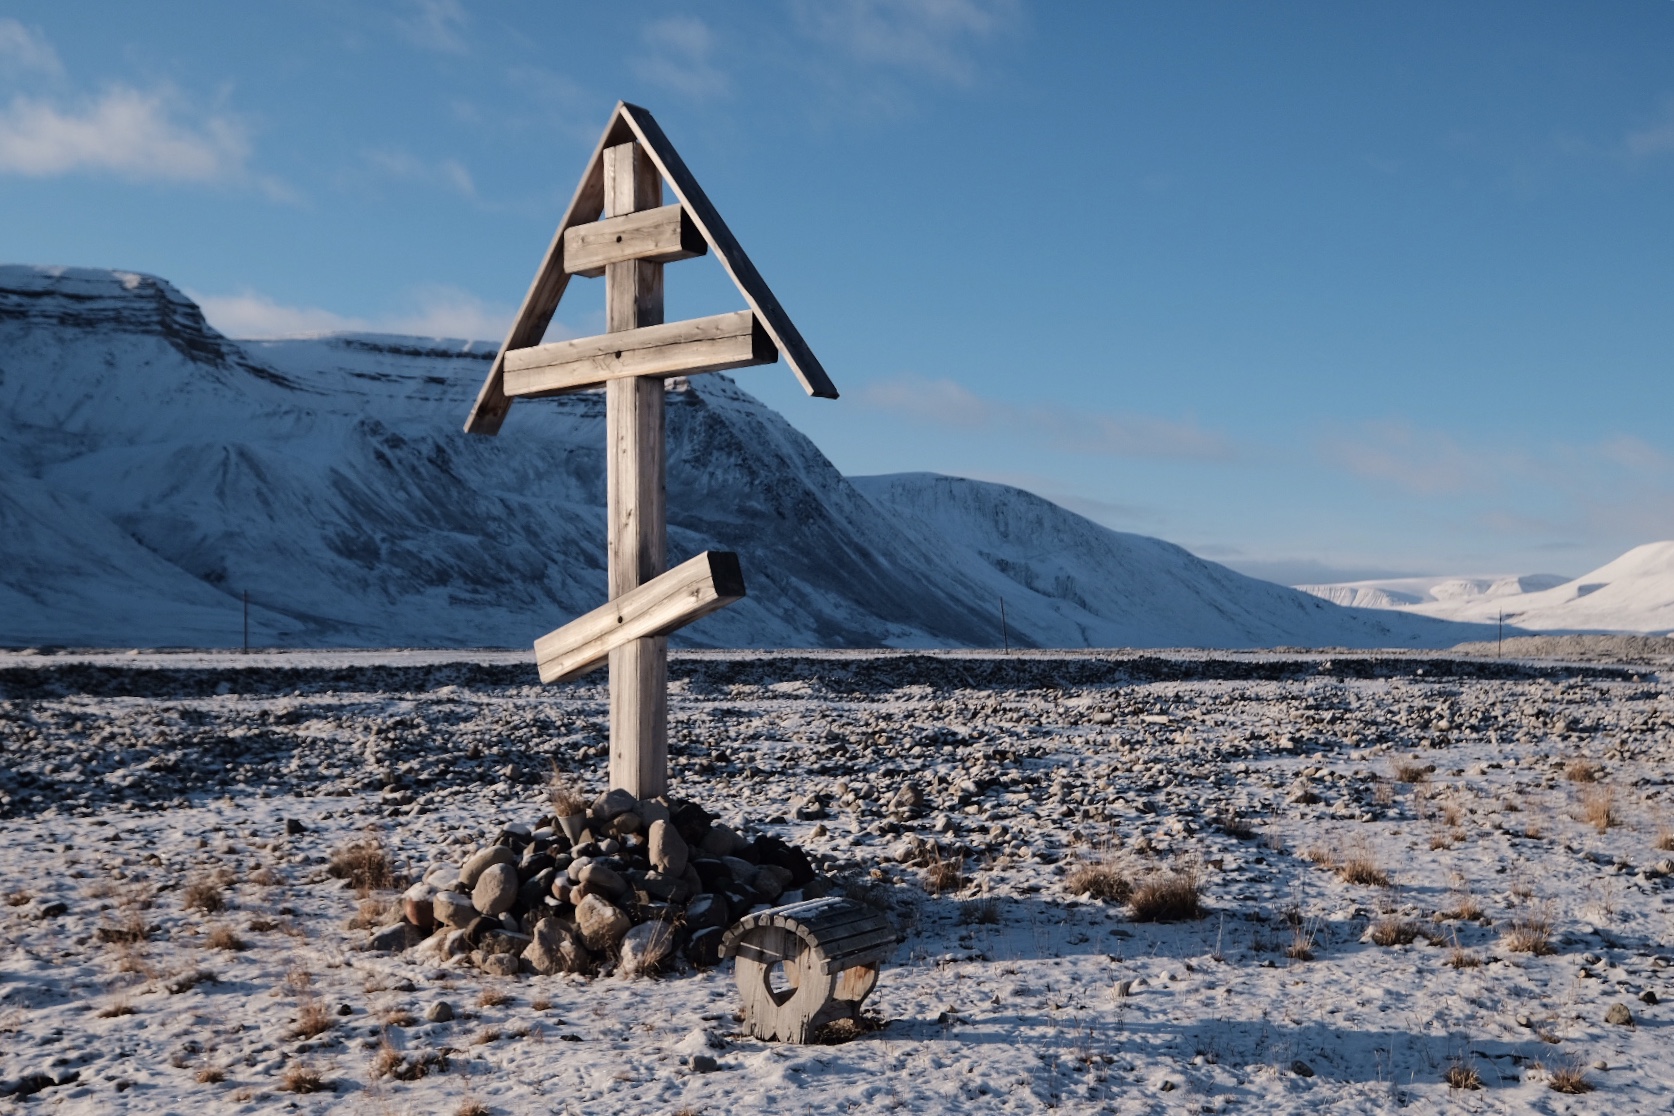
<point x="1634" y="593"/>
<point x="1400" y="592"/>
<point x="152" y="471"/>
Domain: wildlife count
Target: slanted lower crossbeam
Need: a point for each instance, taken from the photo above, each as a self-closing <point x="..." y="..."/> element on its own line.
<point x="689" y="591"/>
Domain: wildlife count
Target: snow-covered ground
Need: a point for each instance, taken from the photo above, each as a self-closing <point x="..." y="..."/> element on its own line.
<point x="127" y="778"/>
<point x="1633" y="593"/>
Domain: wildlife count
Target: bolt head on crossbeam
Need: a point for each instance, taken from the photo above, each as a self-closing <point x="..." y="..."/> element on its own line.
<point x="666" y="603"/>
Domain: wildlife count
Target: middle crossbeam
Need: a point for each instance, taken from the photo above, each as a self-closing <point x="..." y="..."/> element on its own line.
<point x="712" y="344"/>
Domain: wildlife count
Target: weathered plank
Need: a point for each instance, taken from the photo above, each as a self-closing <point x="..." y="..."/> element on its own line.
<point x="659" y="235"/>
<point x="686" y="348"/>
<point x="636" y="529"/>
<point x="731" y="254"/>
<point x="630" y="122"/>
<point x="693" y="589"/>
<point x="547" y="287"/>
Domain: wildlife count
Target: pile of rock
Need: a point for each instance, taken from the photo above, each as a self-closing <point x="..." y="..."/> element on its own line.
<point x="627" y="885"/>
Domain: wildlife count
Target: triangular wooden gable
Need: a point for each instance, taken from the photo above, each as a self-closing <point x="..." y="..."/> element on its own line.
<point x="632" y="123"/>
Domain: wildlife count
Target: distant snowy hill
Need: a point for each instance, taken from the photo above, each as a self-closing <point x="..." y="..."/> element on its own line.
<point x="1400" y="592"/>
<point x="1634" y="593"/>
<point x="151" y="471"/>
<point x="1083" y="585"/>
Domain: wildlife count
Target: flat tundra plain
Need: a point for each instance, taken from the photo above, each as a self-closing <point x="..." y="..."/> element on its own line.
<point x="1396" y="882"/>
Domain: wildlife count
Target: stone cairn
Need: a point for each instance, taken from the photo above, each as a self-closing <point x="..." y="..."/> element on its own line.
<point x="626" y="885"/>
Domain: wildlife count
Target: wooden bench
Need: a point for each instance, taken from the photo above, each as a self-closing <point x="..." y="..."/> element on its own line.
<point x="830" y="950"/>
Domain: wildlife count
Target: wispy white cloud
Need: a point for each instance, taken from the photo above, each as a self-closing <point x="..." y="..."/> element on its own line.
<point x="1415" y="460"/>
<point x="431" y="311"/>
<point x="1657" y="137"/>
<point x="450" y="174"/>
<point x="679" y="54"/>
<point x="26" y="52"/>
<point x="126" y="132"/>
<point x="436" y="25"/>
<point x="1436" y="462"/>
<point x="1074" y="430"/>
<point x="1618" y="486"/>
<point x="932" y="38"/>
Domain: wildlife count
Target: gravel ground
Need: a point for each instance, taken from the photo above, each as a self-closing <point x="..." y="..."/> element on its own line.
<point x="1322" y="803"/>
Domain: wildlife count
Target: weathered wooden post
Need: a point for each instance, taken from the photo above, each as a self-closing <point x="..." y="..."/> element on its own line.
<point x="618" y="227"/>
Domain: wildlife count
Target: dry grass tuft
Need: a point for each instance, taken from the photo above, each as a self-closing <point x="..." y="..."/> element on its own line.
<point x="1303" y="933"/>
<point x="390" y="1062"/>
<point x="224" y="937"/>
<point x="300" y="1078"/>
<point x="540" y="1003"/>
<point x="1320" y="855"/>
<point x="400" y="1017"/>
<point x="1444" y="839"/>
<point x="1392" y="931"/>
<point x="1570" y="1079"/>
<point x="493" y="997"/>
<point x="1461" y="958"/>
<point x="980" y="912"/>
<point x="1100" y="880"/>
<point x="1461" y="1075"/>
<point x="211" y="1075"/>
<point x="487" y="1035"/>
<point x="1411" y="771"/>
<point x="267" y="876"/>
<point x="472" y="1108"/>
<point x="17" y="898"/>
<point x="1598" y="809"/>
<point x="1358" y="867"/>
<point x="566" y="799"/>
<point x="1235" y="825"/>
<point x="120" y="1007"/>
<point x="1530" y="933"/>
<point x="205" y="895"/>
<point x="1582" y="770"/>
<point x="1665" y="837"/>
<point x="1466" y="908"/>
<point x="129" y="929"/>
<point x="365" y="862"/>
<point x="1174" y="897"/>
<point x="312" y="1018"/>
<point x="373" y="913"/>
<point x="944" y="875"/>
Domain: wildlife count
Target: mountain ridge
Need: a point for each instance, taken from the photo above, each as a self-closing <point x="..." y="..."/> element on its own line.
<point x="329" y="477"/>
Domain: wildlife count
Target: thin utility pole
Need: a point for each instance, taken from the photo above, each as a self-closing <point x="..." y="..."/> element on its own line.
<point x="1005" y="636"/>
<point x="1500" y="654"/>
<point x="246" y="621"/>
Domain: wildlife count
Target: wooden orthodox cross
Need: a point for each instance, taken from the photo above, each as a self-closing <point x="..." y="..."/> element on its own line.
<point x="617" y="226"/>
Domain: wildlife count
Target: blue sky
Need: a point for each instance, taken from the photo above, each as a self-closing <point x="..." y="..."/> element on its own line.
<point x="1315" y="289"/>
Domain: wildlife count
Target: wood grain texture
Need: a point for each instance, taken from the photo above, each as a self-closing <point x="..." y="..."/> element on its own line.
<point x="686" y="348"/>
<point x="636" y="524"/>
<point x="818" y="988"/>
<point x="489" y="410"/>
<point x="631" y="122"/>
<point x="661" y="235"/>
<point x="731" y="254"/>
<point x="664" y="604"/>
